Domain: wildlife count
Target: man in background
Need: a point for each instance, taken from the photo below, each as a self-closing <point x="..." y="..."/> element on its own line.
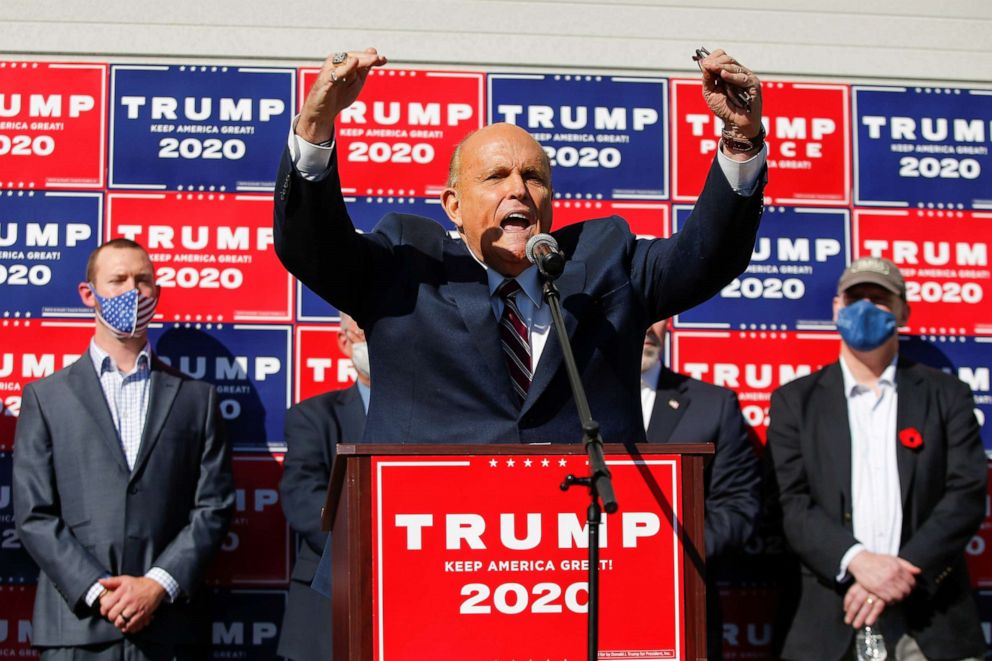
<point x="122" y="484"/>
<point x="313" y="429"/>
<point x="680" y="409"/>
<point x="882" y="481"/>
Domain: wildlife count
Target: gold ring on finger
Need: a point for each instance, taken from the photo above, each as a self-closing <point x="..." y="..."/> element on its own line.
<point x="870" y="601"/>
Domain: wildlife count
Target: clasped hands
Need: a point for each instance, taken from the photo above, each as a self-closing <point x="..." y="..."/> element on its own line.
<point x="879" y="580"/>
<point x="130" y="602"/>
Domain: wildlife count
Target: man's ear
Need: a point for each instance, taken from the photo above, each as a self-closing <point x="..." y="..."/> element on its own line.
<point x="903" y="317"/>
<point x="452" y="206"/>
<point x="838" y="304"/>
<point x="86" y="295"/>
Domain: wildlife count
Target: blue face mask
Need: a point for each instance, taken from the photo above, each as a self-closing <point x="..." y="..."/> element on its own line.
<point x="865" y="326"/>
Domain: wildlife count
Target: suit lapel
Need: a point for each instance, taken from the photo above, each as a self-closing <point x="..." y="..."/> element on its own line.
<point x="469" y="288"/>
<point x="162" y="391"/>
<point x="832" y="430"/>
<point x="570" y="283"/>
<point x="910" y="412"/>
<point x="352" y="416"/>
<point x="670" y="403"/>
<point x="87" y="389"/>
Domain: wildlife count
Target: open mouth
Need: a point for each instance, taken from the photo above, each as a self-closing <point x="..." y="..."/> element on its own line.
<point x="516" y="222"/>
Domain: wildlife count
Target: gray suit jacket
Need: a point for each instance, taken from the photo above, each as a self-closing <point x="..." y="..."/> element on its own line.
<point x="313" y="429"/>
<point x="82" y="514"/>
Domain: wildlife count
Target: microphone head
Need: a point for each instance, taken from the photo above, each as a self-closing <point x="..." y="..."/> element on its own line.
<point x="538" y="240"/>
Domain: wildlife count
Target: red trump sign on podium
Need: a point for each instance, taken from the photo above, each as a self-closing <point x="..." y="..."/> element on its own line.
<point x="518" y="563"/>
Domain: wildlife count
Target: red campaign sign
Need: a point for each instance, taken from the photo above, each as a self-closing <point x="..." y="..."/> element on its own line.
<point x="256" y="550"/>
<point x="978" y="552"/>
<point x="398" y="136"/>
<point x="31" y="349"/>
<point x="646" y="219"/>
<point x="944" y="257"/>
<point x="751" y="363"/>
<point x="320" y="366"/>
<point x="518" y="563"/>
<point x="748" y="622"/>
<point x="212" y="252"/>
<point x="16" y="605"/>
<point x="53" y="124"/>
<point x="809" y="156"/>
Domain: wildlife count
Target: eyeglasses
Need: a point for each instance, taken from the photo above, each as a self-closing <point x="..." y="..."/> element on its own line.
<point x="741" y="94"/>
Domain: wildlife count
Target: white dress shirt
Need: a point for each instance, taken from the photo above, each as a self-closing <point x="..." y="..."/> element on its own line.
<point x="649" y="391"/>
<point x="875" y="492"/>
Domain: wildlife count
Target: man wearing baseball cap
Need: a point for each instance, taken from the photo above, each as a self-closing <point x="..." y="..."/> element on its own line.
<point x="882" y="482"/>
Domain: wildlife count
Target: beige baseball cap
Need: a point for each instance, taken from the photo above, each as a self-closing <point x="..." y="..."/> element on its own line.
<point x="873" y="270"/>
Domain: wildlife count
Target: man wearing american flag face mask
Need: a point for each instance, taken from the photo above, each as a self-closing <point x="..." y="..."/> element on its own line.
<point x="122" y="483"/>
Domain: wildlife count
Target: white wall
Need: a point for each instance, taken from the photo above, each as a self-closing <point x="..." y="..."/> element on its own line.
<point x="852" y="40"/>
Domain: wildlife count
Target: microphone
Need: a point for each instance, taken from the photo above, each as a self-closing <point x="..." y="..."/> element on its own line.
<point x="542" y="249"/>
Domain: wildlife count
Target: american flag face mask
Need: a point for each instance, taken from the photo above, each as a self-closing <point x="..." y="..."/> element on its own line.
<point x="125" y="315"/>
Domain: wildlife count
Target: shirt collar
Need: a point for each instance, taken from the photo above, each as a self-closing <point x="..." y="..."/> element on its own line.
<point x="102" y="362"/>
<point x="364" y="391"/>
<point x="527" y="280"/>
<point x="852" y="387"/>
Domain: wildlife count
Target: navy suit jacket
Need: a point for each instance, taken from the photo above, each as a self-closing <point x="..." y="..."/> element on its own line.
<point x="313" y="429"/>
<point x="687" y="410"/>
<point x="424" y="302"/>
<point x="81" y="513"/>
<point x="943" y="485"/>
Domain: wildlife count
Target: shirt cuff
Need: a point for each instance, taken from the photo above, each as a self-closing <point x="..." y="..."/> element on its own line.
<point x="95" y="591"/>
<point x="313" y="162"/>
<point x="164" y="579"/>
<point x="846" y="560"/>
<point x="742" y="175"/>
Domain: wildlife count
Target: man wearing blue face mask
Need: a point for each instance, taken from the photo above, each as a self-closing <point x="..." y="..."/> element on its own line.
<point x="882" y="481"/>
<point x="122" y="484"/>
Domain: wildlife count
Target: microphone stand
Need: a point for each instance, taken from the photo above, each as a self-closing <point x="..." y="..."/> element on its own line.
<point x="599" y="482"/>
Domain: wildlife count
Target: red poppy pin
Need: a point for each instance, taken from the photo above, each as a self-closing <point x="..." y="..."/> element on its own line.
<point x="911" y="438"/>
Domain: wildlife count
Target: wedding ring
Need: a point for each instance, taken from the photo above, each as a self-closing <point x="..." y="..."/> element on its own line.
<point x="870" y="600"/>
<point x="339" y="58"/>
<point x="125" y="618"/>
<point x="338" y="79"/>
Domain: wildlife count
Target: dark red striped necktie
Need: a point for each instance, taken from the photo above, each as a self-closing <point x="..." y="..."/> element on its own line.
<point x="513" y="335"/>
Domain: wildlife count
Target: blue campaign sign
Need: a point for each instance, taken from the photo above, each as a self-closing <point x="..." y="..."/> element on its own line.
<point x="16" y="566"/>
<point x="965" y="357"/>
<point x="213" y="128"/>
<point x="791" y="280"/>
<point x="606" y="136"/>
<point x="245" y="623"/>
<point x="248" y="364"/>
<point x="45" y="239"/>
<point x="366" y="212"/>
<point x="923" y="147"/>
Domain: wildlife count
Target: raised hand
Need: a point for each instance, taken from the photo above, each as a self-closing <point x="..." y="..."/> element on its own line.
<point x="720" y="72"/>
<point x="337" y="86"/>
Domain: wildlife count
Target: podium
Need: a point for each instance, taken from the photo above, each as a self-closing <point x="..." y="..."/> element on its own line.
<point x="473" y="552"/>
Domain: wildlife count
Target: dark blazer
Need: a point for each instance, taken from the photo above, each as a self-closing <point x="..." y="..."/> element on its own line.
<point x="943" y="487"/>
<point x="313" y="428"/>
<point x="690" y="411"/>
<point x="81" y="513"/>
<point x="424" y="303"/>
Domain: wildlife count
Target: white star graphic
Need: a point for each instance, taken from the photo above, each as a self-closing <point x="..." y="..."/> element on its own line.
<point x="545" y="463"/>
<point x="511" y="463"/>
<point x="493" y="463"/>
<point x="562" y="462"/>
<point x="528" y="463"/>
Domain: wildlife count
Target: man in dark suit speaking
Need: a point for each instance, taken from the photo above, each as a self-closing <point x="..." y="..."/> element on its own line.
<point x="122" y="484"/>
<point x="479" y="362"/>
